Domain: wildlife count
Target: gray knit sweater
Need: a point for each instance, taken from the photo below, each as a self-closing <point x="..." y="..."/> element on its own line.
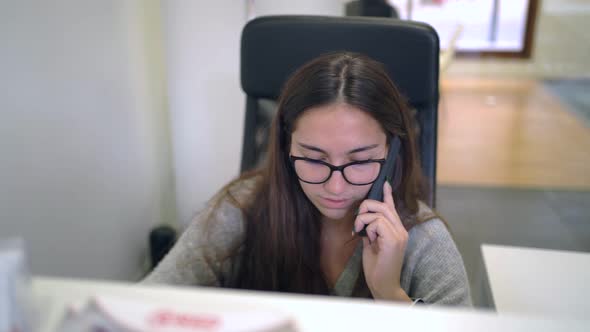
<point x="433" y="269"/>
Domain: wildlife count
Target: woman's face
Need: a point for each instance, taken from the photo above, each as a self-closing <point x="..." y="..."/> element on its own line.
<point x="337" y="134"/>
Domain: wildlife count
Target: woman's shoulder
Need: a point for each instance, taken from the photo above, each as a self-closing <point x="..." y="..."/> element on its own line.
<point x="434" y="263"/>
<point x="239" y="192"/>
<point x="432" y="231"/>
<point x="202" y="253"/>
<point x="224" y="213"/>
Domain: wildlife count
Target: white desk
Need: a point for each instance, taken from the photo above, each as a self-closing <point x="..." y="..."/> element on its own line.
<point x="311" y="313"/>
<point x="539" y="281"/>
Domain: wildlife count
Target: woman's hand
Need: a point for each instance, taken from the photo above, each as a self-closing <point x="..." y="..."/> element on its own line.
<point x="384" y="246"/>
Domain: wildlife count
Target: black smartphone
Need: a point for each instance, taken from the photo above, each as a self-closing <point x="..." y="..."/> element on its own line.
<point x="387" y="170"/>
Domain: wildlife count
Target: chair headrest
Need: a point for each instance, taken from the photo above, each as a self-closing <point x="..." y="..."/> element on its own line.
<point x="273" y="47"/>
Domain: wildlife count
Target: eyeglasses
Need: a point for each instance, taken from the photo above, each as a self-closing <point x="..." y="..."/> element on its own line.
<point x="357" y="173"/>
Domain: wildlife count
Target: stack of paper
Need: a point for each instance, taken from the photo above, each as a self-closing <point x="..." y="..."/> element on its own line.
<point x="112" y="314"/>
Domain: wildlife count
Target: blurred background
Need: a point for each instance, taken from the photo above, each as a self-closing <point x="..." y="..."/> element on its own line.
<point x="119" y="116"/>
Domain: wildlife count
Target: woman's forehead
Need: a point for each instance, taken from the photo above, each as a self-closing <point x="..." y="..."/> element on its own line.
<point x="336" y="127"/>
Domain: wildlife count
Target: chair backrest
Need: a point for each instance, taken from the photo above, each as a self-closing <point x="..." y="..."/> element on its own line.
<point x="273" y="47"/>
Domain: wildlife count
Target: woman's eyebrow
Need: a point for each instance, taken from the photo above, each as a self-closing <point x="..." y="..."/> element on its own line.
<point x="315" y="148"/>
<point x="364" y="148"/>
<point x="311" y="147"/>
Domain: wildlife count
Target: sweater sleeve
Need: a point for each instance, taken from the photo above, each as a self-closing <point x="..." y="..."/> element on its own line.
<point x="433" y="267"/>
<point x="202" y="254"/>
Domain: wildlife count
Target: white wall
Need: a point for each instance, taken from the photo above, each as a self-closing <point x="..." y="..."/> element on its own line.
<point x="301" y="7"/>
<point x="202" y="42"/>
<point x="84" y="140"/>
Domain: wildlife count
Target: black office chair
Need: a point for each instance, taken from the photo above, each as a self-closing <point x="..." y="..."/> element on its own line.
<point x="275" y="46"/>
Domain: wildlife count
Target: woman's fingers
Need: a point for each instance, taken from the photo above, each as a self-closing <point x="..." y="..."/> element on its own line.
<point x="373" y="231"/>
<point x="375" y="207"/>
<point x="371" y="206"/>
<point x="388" y="195"/>
<point x="383" y="236"/>
<point x="376" y="225"/>
<point x="364" y="219"/>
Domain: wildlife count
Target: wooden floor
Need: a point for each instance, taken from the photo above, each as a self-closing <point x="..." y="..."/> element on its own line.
<point x="509" y="133"/>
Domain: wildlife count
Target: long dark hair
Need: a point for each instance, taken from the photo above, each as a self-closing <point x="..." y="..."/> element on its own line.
<point x="281" y="247"/>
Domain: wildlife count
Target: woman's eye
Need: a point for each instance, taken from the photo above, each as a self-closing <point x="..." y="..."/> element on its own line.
<point x="316" y="159"/>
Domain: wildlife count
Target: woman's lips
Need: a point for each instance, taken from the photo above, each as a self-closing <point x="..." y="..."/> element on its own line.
<point x="334" y="203"/>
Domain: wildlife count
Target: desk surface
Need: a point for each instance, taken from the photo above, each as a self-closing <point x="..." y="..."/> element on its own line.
<point x="311" y="313"/>
<point x="539" y="281"/>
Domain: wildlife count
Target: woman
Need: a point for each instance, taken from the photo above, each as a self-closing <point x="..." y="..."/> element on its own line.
<point x="287" y="227"/>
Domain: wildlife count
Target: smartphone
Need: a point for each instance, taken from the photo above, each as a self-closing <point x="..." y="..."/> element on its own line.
<point x="387" y="170"/>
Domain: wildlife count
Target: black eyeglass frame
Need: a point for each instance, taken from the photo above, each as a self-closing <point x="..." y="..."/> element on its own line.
<point x="333" y="168"/>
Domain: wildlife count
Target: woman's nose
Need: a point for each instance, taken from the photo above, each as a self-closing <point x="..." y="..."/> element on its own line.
<point x="336" y="183"/>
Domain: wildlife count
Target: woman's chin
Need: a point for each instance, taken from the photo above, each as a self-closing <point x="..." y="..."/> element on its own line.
<point x="334" y="214"/>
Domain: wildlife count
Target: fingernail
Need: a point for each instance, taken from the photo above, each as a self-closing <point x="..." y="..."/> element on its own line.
<point x="352" y="233"/>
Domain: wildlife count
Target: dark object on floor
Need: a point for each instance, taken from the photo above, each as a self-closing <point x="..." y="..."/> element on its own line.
<point x="162" y="238"/>
<point x="377" y="8"/>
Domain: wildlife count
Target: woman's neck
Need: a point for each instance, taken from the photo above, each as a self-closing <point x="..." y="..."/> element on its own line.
<point x="341" y="227"/>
